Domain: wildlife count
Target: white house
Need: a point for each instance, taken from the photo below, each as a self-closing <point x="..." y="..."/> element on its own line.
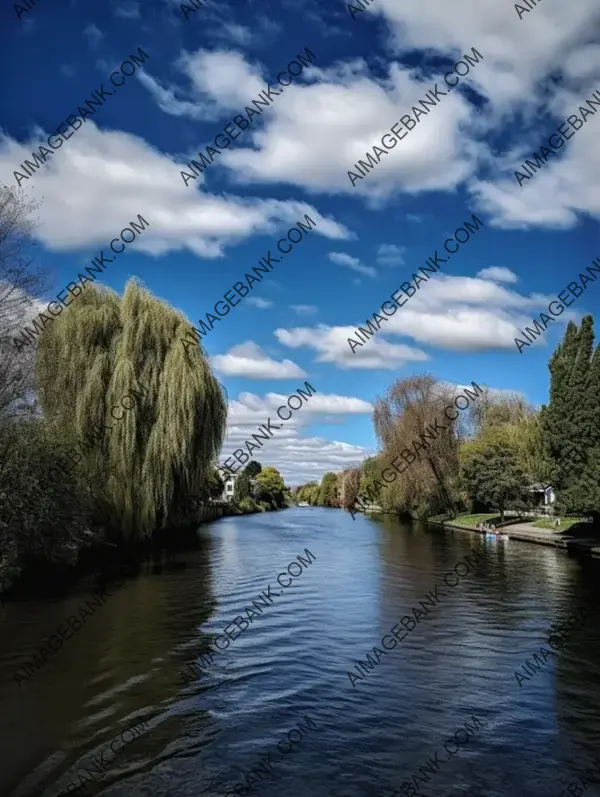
<point x="228" y="489"/>
<point x="544" y="495"/>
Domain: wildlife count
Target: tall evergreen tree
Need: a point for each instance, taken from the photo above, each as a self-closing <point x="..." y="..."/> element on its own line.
<point x="569" y="423"/>
<point x="241" y="489"/>
<point x="253" y="468"/>
<point x="148" y="461"/>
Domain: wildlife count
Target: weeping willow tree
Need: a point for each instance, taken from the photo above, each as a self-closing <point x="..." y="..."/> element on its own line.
<point x="147" y="464"/>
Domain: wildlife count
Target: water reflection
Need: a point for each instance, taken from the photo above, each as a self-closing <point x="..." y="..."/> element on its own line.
<point x="201" y="737"/>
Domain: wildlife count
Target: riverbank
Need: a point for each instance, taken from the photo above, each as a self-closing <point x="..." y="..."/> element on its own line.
<point x="578" y="540"/>
<point x="43" y="579"/>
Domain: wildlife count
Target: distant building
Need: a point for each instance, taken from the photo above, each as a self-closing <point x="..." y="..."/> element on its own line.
<point x="229" y="487"/>
<point x="543" y="495"/>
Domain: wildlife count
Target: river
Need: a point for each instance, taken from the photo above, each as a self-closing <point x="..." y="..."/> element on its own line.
<point x="113" y="711"/>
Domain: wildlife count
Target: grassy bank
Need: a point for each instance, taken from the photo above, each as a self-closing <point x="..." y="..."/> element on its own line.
<point x="564" y="525"/>
<point x="471" y="521"/>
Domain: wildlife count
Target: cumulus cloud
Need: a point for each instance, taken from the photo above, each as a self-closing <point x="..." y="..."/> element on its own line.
<point x="256" y="301"/>
<point x="299" y="458"/>
<point x="249" y="360"/>
<point x="216" y="82"/>
<point x="342" y="259"/>
<point x="130" y="177"/>
<point x="463" y="314"/>
<point x="331" y="346"/>
<point x="498" y="274"/>
<point x="323" y="123"/>
<point x="252" y="409"/>
<point x="390" y="255"/>
<point x="516" y="79"/>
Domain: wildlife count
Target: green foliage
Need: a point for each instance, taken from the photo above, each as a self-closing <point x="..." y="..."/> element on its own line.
<point x="328" y="490"/>
<point x="42" y="518"/>
<point x="309" y="493"/>
<point x="248" y="506"/>
<point x="241" y="489"/>
<point x="491" y="471"/>
<point x="100" y="350"/>
<point x="570" y="423"/>
<point x="213" y="486"/>
<point x="270" y="487"/>
<point x="370" y="479"/>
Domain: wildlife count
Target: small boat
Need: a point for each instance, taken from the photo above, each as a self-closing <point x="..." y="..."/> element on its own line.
<point x="303" y="503"/>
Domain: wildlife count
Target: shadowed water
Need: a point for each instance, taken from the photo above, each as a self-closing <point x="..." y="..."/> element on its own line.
<point x="122" y="670"/>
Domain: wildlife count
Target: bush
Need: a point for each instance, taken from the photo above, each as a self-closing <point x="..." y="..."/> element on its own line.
<point x="43" y="517"/>
<point x="248" y="506"/>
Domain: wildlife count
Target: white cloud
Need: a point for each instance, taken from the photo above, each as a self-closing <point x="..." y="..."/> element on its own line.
<point x="168" y="102"/>
<point x="130" y="177"/>
<point x="256" y="301"/>
<point x="93" y="34"/>
<point x="465" y="314"/>
<point x="391" y="255"/>
<point x="568" y="186"/>
<point x="498" y="274"/>
<point x="298" y="458"/>
<point x="316" y="133"/>
<point x="321" y="125"/>
<point x="249" y="360"/>
<point x="218" y="82"/>
<point x="304" y="309"/>
<point x="520" y="58"/>
<point x="342" y="259"/>
<point x="313" y="134"/>
<point x="251" y="409"/>
<point x="236" y="34"/>
<point x="331" y="345"/>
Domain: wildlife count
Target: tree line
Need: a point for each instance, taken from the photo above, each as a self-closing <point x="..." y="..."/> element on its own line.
<point x="497" y="455"/>
<point x="72" y="478"/>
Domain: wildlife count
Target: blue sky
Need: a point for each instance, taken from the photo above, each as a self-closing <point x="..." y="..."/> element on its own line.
<point x="367" y="72"/>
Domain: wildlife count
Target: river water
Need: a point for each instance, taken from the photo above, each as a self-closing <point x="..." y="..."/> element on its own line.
<point x="115" y="710"/>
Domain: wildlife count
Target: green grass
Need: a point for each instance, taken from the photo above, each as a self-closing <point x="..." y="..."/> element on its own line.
<point x="473" y="520"/>
<point x="565" y="523"/>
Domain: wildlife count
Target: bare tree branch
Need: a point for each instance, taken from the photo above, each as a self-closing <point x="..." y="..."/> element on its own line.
<point x="20" y="282"/>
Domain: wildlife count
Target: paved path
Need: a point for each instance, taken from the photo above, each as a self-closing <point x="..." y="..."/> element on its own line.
<point x="526" y="532"/>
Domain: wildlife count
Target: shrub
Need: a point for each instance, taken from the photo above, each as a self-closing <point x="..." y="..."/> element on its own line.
<point x="43" y="517"/>
<point x="247" y="505"/>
